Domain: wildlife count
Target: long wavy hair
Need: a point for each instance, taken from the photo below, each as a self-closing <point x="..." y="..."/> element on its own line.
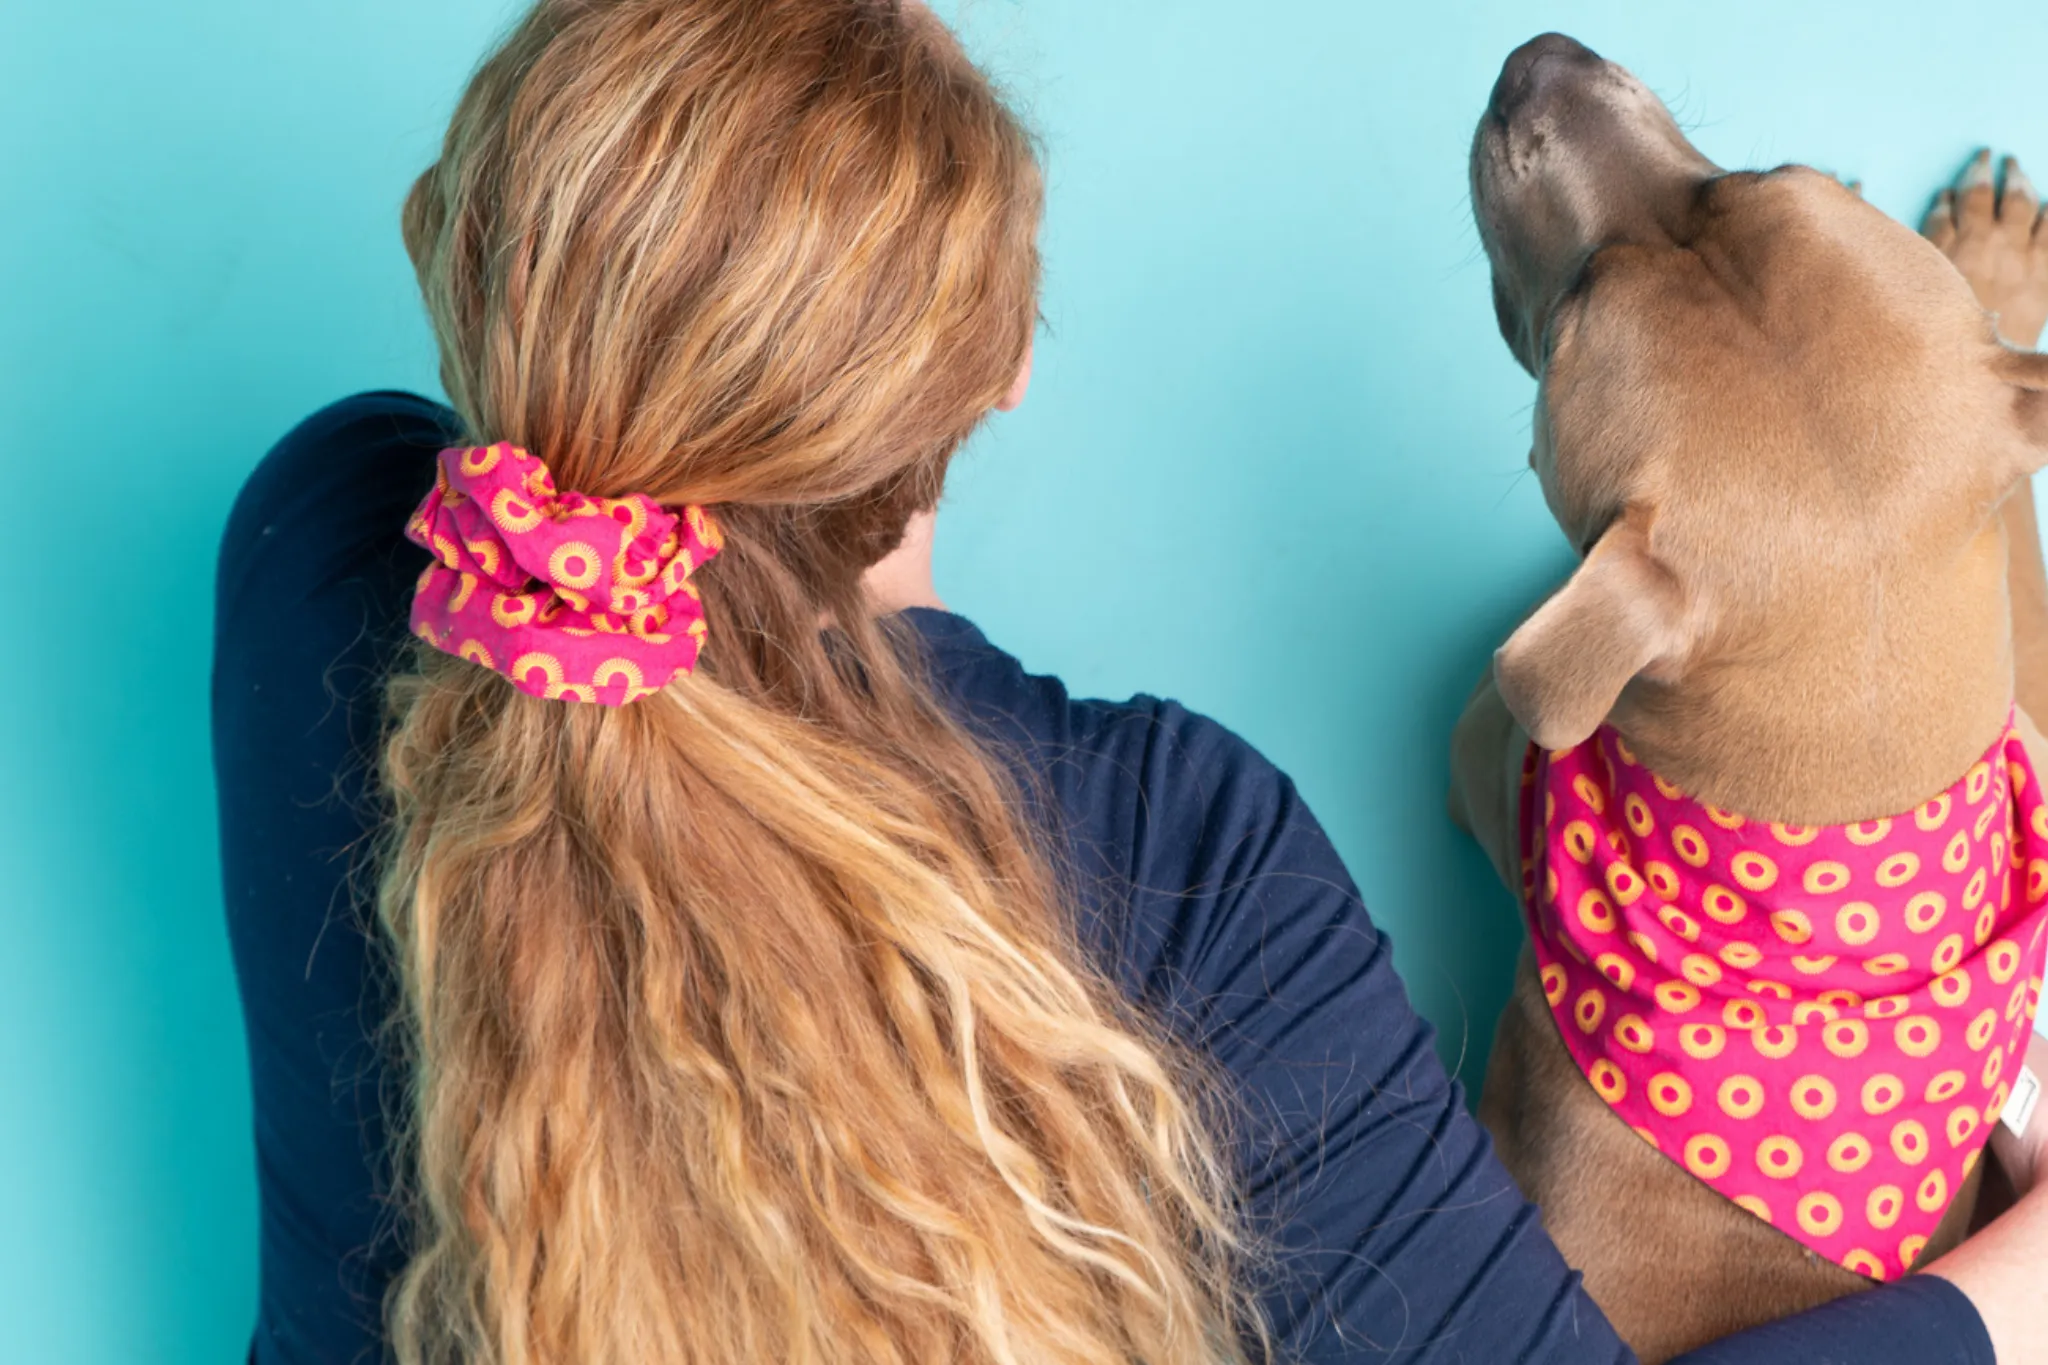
<point x="750" y="1022"/>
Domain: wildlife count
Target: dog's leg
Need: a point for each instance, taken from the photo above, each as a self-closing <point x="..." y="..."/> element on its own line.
<point x="1998" y="238"/>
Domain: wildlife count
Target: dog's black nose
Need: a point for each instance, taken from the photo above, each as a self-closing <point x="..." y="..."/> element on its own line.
<point x="1532" y="67"/>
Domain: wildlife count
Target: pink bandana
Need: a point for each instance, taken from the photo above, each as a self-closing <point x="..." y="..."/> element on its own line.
<point x="572" y="598"/>
<point x="1820" y="1023"/>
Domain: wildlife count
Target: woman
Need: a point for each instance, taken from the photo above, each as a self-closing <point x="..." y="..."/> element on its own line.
<point x="776" y="971"/>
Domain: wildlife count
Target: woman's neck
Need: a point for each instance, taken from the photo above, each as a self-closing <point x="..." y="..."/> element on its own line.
<point x="903" y="577"/>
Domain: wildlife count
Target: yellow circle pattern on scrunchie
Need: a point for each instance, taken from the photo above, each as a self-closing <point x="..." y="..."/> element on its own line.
<point x="572" y="598"/>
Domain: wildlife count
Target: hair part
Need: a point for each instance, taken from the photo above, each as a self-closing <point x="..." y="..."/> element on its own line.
<point x="750" y="1022"/>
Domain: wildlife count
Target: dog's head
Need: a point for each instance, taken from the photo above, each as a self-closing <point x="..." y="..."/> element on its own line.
<point x="1761" y="399"/>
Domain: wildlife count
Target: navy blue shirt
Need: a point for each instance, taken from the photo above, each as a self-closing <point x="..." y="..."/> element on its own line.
<point x="1210" y="891"/>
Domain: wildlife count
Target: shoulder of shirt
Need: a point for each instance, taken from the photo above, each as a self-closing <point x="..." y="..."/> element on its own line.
<point x="1196" y="858"/>
<point x="341" y="458"/>
<point x="338" y="485"/>
<point x="996" y="686"/>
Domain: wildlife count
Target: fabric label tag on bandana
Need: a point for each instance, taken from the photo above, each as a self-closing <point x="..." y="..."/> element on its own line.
<point x="2019" y="1109"/>
<point x="1820" y="1023"/>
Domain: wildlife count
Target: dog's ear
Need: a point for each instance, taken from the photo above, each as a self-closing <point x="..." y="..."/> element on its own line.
<point x="2027" y="372"/>
<point x="1621" y="613"/>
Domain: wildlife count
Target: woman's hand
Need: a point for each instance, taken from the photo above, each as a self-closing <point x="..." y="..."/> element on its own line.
<point x="2004" y="1268"/>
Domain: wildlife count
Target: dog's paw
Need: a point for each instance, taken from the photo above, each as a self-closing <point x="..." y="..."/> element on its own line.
<point x="1998" y="237"/>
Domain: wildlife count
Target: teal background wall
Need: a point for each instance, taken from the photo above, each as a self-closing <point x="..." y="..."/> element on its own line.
<point x="1272" y="465"/>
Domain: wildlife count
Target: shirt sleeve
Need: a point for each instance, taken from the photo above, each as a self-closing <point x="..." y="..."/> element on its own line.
<point x="314" y="576"/>
<point x="1396" y="1235"/>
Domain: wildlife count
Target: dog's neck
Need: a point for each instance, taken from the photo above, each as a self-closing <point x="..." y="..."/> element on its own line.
<point x="1849" y="716"/>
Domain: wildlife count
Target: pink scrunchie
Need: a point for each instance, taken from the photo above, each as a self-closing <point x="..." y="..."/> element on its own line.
<point x="572" y="598"/>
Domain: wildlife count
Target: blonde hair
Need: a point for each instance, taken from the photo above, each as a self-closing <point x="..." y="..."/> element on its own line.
<point x="750" y="1023"/>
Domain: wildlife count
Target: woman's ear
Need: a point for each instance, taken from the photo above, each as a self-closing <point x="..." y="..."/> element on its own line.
<point x="1021" y="385"/>
<point x="1622" y="612"/>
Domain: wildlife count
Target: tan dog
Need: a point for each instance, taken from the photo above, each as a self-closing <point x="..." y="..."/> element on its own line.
<point x="1781" y="430"/>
